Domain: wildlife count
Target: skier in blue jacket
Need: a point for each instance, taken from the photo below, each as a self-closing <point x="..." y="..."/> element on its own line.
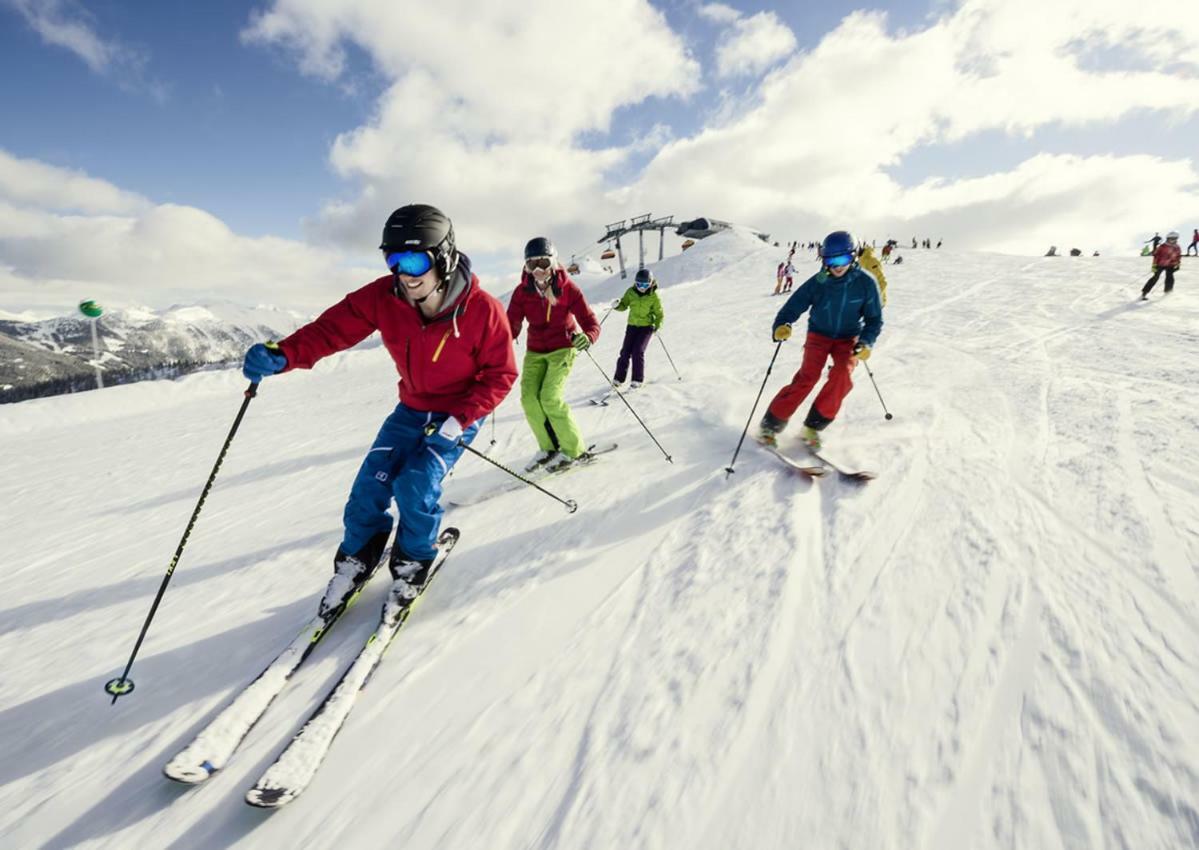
<point x="846" y="316"/>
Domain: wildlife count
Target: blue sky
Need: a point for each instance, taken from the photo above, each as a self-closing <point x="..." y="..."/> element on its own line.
<point x="269" y="139"/>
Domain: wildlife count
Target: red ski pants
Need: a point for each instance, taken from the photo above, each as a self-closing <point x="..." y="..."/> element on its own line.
<point x="816" y="350"/>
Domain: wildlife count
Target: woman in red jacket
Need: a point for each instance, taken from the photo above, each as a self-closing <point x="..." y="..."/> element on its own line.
<point x="453" y="350"/>
<point x="555" y="309"/>
<point x="1166" y="258"/>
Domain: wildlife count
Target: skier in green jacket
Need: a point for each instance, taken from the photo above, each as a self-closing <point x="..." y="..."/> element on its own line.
<point x="645" y="316"/>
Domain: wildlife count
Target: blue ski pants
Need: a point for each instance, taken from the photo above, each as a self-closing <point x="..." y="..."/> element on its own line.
<point x="401" y="465"/>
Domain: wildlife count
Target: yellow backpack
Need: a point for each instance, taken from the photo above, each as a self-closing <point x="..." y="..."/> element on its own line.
<point x="870" y="263"/>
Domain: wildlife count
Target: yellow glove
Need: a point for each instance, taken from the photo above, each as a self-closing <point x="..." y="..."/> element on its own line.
<point x="862" y="352"/>
<point x="782" y="333"/>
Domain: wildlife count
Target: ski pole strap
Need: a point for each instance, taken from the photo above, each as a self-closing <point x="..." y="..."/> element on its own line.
<point x="729" y="470"/>
<point x="570" y="504"/>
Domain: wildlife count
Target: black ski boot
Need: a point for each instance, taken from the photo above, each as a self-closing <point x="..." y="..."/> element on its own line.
<point x="350" y="572"/>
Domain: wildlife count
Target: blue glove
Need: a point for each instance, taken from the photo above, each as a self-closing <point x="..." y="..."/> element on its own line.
<point x="447" y="436"/>
<point x="263" y="358"/>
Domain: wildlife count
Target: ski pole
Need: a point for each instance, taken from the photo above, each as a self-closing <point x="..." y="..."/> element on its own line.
<point x="492" y="428"/>
<point x="880" y="395"/>
<point x="668" y="357"/>
<point x="571" y="504"/>
<point x="122" y="685"/>
<point x="616" y="390"/>
<point x="728" y="470"/>
<point x="607" y="313"/>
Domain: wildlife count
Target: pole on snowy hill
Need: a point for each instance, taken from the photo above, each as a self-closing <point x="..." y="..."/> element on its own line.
<point x="616" y="390"/>
<point x="880" y="395"/>
<point x="607" y="313"/>
<point x="668" y="357"/>
<point x="117" y="688"/>
<point x="728" y="470"/>
<point x="570" y="504"/>
<point x="492" y="428"/>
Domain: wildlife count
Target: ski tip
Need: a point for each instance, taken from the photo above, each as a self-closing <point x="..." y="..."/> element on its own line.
<point x="859" y="477"/>
<point x="269" y="798"/>
<point x="188" y="774"/>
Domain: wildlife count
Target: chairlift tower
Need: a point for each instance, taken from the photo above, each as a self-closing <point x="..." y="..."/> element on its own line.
<point x="638" y="224"/>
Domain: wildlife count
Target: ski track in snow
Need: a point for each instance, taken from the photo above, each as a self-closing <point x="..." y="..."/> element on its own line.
<point x="993" y="645"/>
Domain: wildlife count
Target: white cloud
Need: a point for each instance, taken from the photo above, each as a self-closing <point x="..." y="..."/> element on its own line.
<point x="32" y="183"/>
<point x="68" y="25"/>
<point x="487" y="105"/>
<point x="64" y="235"/>
<point x="754" y="44"/>
<point x="719" y="12"/>
<point x="813" y="148"/>
<point x="63" y="24"/>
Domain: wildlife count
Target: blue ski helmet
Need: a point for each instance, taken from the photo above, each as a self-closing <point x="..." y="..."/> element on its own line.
<point x="837" y="244"/>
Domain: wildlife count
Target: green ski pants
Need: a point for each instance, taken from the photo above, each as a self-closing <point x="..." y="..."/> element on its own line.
<point x="542" y="381"/>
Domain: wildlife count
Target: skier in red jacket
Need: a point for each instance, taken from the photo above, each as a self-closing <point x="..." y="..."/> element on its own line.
<point x="1166" y="258"/>
<point x="555" y="309"/>
<point x="452" y="347"/>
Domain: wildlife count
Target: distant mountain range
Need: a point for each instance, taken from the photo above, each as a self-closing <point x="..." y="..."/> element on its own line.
<point x="43" y="358"/>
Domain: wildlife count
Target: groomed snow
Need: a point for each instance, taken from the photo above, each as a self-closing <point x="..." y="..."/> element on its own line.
<point x="994" y="645"/>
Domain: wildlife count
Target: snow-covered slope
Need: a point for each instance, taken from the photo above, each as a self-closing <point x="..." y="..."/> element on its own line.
<point x="992" y="645"/>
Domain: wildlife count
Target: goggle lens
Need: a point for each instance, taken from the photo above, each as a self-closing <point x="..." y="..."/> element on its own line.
<point x="838" y="261"/>
<point x="411" y="263"/>
<point x="538" y="263"/>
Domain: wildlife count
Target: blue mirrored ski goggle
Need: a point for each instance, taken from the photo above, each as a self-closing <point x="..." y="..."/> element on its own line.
<point x="641" y="285"/>
<point x="412" y="263"/>
<point x="838" y="261"/>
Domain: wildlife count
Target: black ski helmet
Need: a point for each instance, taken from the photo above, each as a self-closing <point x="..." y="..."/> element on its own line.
<point x="644" y="279"/>
<point x="420" y="227"/>
<point x="540" y="246"/>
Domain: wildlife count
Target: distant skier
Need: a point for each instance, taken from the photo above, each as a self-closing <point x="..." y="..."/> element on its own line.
<point x="788" y="277"/>
<point x="778" y="278"/>
<point x="845" y="320"/>
<point x="554" y="308"/>
<point x="1194" y="246"/>
<point x="645" y="319"/>
<point x="453" y="350"/>
<point x="1154" y="242"/>
<point x="1166" y="258"/>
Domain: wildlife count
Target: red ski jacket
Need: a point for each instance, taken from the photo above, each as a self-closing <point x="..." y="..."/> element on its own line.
<point x="459" y="362"/>
<point x="551" y="326"/>
<point x="1167" y="256"/>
